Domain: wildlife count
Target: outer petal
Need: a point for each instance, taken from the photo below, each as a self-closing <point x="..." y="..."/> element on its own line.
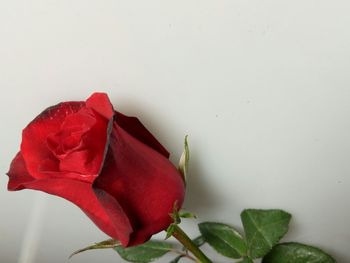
<point x="100" y="206"/>
<point x="134" y="127"/>
<point x="18" y="174"/>
<point x="101" y="104"/>
<point x="143" y="181"/>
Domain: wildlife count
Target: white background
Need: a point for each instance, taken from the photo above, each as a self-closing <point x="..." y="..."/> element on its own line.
<point x="261" y="87"/>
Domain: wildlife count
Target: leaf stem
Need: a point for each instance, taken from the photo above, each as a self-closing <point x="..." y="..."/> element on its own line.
<point x="182" y="237"/>
<point x="184" y="254"/>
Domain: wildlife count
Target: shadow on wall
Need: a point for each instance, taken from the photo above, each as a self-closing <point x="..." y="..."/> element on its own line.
<point x="338" y="256"/>
<point x="200" y="197"/>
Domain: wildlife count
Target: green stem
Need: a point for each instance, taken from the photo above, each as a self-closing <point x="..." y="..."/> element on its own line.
<point x="181" y="236"/>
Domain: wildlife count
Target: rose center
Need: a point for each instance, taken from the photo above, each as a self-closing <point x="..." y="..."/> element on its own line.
<point x="70" y="137"/>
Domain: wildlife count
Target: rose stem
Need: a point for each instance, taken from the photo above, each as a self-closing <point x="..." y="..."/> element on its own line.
<point x="181" y="236"/>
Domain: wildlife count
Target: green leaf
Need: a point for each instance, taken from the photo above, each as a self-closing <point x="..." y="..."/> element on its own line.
<point x="109" y="243"/>
<point x="224" y="239"/>
<point x="184" y="160"/>
<point x="246" y="260"/>
<point x="146" y="252"/>
<point x="263" y="229"/>
<point x="297" y="253"/>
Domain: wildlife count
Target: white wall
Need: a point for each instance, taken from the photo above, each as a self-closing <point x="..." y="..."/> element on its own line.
<point x="262" y="88"/>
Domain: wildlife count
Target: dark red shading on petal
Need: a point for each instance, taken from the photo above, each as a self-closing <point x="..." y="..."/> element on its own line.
<point x="34" y="137"/>
<point x="98" y="205"/>
<point x="101" y="104"/>
<point x="135" y="128"/>
<point x="143" y="181"/>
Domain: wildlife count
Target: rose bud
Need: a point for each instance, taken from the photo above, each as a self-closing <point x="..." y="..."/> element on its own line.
<point x="104" y="162"/>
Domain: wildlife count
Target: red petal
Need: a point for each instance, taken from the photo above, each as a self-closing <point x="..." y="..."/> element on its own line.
<point x="34" y="145"/>
<point x="76" y="162"/>
<point x="134" y="127"/>
<point x="101" y="104"/>
<point x="69" y="136"/>
<point x="143" y="181"/>
<point x="88" y="158"/>
<point x="101" y="207"/>
<point x="18" y="174"/>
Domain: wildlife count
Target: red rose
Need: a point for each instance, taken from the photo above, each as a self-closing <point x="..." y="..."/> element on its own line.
<point x="106" y="163"/>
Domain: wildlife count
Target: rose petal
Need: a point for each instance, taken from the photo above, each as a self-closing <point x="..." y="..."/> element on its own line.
<point x="18" y="174"/>
<point x="96" y="141"/>
<point x="88" y="158"/>
<point x="69" y="137"/>
<point x="39" y="142"/>
<point x="34" y="145"/>
<point x="76" y="162"/>
<point x="101" y="207"/>
<point x="135" y="128"/>
<point x="143" y="181"/>
<point x="101" y="104"/>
